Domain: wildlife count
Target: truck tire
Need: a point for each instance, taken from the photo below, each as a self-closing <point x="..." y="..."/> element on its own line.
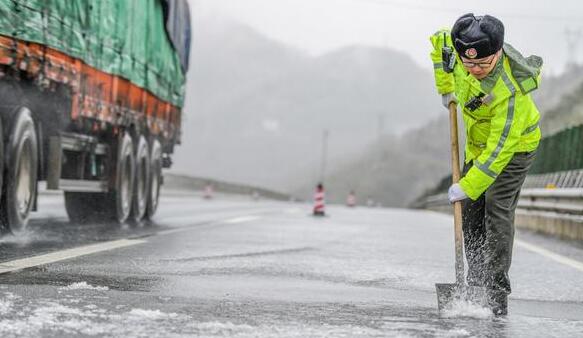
<point x="122" y="195"/>
<point x="142" y="181"/>
<point x="155" y="181"/>
<point x="20" y="175"/>
<point x="115" y="206"/>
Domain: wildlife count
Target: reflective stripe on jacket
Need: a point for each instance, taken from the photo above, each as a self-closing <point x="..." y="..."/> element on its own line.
<point x="507" y="121"/>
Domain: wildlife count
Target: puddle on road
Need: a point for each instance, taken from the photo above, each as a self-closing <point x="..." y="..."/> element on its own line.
<point x="51" y="235"/>
<point x="243" y="255"/>
<point x="59" y="230"/>
<point x="37" y="235"/>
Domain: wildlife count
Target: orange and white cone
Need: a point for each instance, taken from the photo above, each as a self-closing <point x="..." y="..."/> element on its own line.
<point x="319" y="201"/>
<point x="351" y="200"/>
<point x="208" y="192"/>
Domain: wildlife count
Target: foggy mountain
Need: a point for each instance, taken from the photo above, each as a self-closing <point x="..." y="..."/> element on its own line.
<point x="397" y="171"/>
<point x="563" y="99"/>
<point x="256" y="109"/>
<point x="567" y="113"/>
<point x="554" y="88"/>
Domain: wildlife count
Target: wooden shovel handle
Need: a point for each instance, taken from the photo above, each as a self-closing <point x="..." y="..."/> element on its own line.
<point x="457" y="206"/>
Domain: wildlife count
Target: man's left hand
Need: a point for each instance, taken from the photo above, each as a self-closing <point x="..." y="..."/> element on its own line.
<point x="456" y="193"/>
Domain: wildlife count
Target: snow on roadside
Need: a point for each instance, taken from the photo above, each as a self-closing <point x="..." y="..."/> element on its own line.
<point x="84" y="286"/>
<point x="49" y="316"/>
<point x="151" y="314"/>
<point x="7" y="302"/>
<point x="5" y="306"/>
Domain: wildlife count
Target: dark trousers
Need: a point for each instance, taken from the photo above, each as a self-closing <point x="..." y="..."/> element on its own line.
<point x="488" y="226"/>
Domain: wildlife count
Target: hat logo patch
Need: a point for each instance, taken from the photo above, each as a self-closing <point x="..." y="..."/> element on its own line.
<point x="471" y="53"/>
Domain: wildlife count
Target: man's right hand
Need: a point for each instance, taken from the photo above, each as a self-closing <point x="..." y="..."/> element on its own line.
<point x="448" y="98"/>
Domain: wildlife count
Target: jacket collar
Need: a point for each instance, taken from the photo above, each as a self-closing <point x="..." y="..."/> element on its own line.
<point x="488" y="83"/>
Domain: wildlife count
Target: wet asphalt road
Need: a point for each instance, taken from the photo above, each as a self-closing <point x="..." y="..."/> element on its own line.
<point x="233" y="267"/>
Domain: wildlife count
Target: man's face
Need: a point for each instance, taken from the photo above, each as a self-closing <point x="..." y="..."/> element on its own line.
<point x="480" y="68"/>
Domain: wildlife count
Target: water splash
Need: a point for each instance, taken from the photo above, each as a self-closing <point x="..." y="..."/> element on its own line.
<point x="464" y="308"/>
<point x="25" y="237"/>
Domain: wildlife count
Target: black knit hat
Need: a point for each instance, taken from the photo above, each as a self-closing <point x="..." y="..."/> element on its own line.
<point x="476" y="37"/>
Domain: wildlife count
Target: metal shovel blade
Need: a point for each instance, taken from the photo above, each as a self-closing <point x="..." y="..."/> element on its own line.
<point x="447" y="294"/>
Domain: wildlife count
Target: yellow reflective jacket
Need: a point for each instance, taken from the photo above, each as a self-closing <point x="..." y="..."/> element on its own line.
<point x="506" y="122"/>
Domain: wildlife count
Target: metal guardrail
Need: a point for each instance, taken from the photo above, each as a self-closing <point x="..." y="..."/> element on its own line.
<point x="559" y="179"/>
<point x="559" y="193"/>
<point x="562" y="201"/>
<point x="433" y="201"/>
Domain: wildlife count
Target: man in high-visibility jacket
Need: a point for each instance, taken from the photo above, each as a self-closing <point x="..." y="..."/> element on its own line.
<point x="491" y="82"/>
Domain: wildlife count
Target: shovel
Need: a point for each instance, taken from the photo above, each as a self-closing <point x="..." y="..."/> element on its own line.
<point x="448" y="293"/>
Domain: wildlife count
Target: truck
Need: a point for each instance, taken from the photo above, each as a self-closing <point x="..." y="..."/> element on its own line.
<point x="91" y="99"/>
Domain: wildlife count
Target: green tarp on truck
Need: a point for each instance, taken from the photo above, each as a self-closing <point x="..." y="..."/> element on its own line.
<point x="143" y="41"/>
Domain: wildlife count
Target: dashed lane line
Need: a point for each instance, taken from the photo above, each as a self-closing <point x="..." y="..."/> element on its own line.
<point x="551" y="255"/>
<point x="62" y="255"/>
<point x="236" y="220"/>
<point x="242" y="219"/>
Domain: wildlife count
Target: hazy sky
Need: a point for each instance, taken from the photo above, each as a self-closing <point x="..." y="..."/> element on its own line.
<point x="317" y="26"/>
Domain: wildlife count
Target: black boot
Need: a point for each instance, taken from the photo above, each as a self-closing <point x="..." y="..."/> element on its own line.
<point x="498" y="303"/>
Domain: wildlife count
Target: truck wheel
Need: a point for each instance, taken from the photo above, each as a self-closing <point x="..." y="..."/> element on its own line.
<point x="122" y="196"/>
<point x="155" y="179"/>
<point x="19" y="192"/>
<point x="142" y="180"/>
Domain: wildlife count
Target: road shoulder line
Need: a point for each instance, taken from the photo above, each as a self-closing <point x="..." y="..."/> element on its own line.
<point x="551" y="255"/>
<point x="53" y="257"/>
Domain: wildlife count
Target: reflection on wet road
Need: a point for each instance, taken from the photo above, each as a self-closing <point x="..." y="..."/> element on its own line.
<point x="233" y="267"/>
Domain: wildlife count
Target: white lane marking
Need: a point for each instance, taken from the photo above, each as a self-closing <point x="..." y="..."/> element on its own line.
<point x="235" y="220"/>
<point x="176" y="219"/>
<point x="242" y="219"/>
<point x="53" y="257"/>
<point x="551" y="255"/>
<point x="191" y="218"/>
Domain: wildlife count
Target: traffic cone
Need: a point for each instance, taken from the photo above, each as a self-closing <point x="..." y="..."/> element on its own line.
<point x="351" y="200"/>
<point x="208" y="192"/>
<point x="319" y="202"/>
